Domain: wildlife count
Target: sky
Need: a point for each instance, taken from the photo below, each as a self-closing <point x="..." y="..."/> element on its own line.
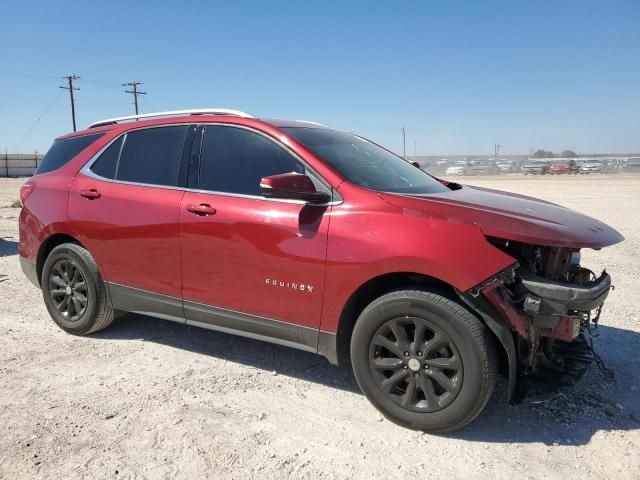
<point x="460" y="76"/>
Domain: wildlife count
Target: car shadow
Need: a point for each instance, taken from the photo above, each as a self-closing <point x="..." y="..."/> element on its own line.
<point x="233" y="348"/>
<point x="8" y="247"/>
<point x="560" y="416"/>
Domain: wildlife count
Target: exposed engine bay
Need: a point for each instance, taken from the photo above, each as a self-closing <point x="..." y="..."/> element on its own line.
<point x="550" y="303"/>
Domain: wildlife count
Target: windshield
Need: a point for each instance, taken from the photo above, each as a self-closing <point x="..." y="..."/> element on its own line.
<point x="364" y="163"/>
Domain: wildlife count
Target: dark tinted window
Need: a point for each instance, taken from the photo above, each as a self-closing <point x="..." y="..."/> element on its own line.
<point x="64" y="150"/>
<point x="364" y="163"/>
<point x="105" y="165"/>
<point x="152" y="155"/>
<point x="234" y="160"/>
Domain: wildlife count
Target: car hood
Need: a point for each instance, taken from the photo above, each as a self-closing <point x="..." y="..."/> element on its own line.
<point x="511" y="216"/>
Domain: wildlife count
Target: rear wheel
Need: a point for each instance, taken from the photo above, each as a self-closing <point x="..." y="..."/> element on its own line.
<point x="423" y="360"/>
<point x="73" y="291"/>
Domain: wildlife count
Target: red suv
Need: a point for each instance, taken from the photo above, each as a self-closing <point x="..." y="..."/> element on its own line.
<point x="295" y="233"/>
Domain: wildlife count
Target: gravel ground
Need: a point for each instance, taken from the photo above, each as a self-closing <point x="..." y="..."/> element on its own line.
<point x="153" y="399"/>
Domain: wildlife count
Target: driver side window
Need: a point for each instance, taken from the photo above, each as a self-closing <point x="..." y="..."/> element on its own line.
<point x="234" y="160"/>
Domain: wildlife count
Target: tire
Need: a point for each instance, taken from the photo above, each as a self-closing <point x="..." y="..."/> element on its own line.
<point x="71" y="268"/>
<point x="441" y="399"/>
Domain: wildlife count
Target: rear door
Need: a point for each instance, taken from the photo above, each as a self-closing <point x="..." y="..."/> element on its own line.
<point x="125" y="206"/>
<point x="249" y="263"/>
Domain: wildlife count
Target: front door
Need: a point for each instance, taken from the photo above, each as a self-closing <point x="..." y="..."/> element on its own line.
<point x="251" y="265"/>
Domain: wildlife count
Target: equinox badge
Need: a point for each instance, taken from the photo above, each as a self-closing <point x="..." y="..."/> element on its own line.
<point x="301" y="287"/>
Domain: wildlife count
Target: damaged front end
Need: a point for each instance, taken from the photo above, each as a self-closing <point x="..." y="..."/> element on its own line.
<point x="542" y="310"/>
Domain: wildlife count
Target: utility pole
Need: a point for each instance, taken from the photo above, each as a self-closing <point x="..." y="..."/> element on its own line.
<point x="415" y="148"/>
<point x="71" y="88"/>
<point x="135" y="92"/>
<point x="404" y="142"/>
<point x="496" y="150"/>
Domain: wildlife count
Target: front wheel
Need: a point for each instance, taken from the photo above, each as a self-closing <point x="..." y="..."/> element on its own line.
<point x="73" y="291"/>
<point x="423" y="360"/>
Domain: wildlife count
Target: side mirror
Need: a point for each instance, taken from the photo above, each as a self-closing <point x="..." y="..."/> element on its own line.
<point x="292" y="186"/>
<point x="415" y="164"/>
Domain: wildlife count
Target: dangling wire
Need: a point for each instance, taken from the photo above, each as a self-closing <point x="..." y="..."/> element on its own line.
<point x="599" y="362"/>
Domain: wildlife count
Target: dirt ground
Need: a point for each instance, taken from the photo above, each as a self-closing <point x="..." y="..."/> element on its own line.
<point x="152" y="399"/>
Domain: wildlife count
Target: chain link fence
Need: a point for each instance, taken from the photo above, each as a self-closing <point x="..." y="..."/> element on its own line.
<point x="19" y="164"/>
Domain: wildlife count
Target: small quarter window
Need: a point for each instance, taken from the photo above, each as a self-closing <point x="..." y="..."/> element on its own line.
<point x="105" y="165"/>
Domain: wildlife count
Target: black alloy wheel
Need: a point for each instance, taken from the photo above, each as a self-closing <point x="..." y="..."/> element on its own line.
<point x="74" y="293"/>
<point x="416" y="364"/>
<point x="424" y="360"/>
<point x="68" y="289"/>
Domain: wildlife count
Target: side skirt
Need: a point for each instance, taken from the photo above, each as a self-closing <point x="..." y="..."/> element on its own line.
<point x="251" y="326"/>
<point x="309" y="339"/>
<point x="135" y="300"/>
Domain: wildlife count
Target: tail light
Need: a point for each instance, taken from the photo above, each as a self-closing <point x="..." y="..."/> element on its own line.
<point x="25" y="191"/>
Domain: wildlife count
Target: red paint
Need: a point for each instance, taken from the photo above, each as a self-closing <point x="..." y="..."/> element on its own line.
<point x="131" y="231"/>
<point x="286" y="261"/>
<point x="231" y="259"/>
<point x="514" y="217"/>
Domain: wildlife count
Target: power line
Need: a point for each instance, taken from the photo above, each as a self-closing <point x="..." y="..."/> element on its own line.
<point x="135" y="92"/>
<point x="55" y="99"/>
<point x="30" y="75"/>
<point x="71" y="88"/>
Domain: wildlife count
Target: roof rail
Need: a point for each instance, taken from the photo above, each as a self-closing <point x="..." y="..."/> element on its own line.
<point x="312" y="123"/>
<point x="173" y="113"/>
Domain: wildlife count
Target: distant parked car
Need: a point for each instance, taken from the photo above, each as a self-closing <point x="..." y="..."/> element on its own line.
<point x="632" y="165"/>
<point x="484" y="167"/>
<point x="592" y="166"/>
<point x="565" y="166"/>
<point x="458" y="169"/>
<point x="535" y="168"/>
<point x="507" y="166"/>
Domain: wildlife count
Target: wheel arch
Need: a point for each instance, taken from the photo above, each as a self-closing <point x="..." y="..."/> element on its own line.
<point x="337" y="347"/>
<point x="49" y="244"/>
<point x="368" y="292"/>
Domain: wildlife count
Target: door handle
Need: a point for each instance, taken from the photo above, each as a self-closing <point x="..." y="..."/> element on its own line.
<point x="203" y="209"/>
<point x="90" y="194"/>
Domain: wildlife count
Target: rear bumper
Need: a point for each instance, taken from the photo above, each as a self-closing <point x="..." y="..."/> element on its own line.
<point x="30" y="271"/>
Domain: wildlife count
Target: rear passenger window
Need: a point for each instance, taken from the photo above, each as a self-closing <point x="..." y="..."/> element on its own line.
<point x="234" y="160"/>
<point x="105" y="166"/>
<point x="64" y="150"/>
<point x="152" y="156"/>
